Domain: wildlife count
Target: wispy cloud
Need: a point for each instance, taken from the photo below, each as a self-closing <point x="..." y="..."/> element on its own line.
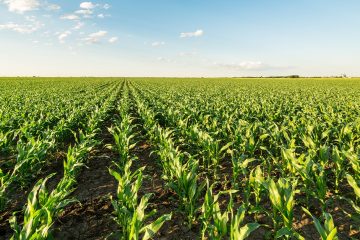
<point x="63" y="35"/>
<point x="95" y="37"/>
<point x="249" y="66"/>
<point x="197" y="33"/>
<point x="157" y="44"/>
<point x="164" y="59"/>
<point x="187" y="54"/>
<point x="79" y="25"/>
<point x="84" y="11"/>
<point x="244" y="65"/>
<point x="31" y="25"/>
<point x="52" y="7"/>
<point x="113" y="40"/>
<point x="20" y="28"/>
<point x="70" y="17"/>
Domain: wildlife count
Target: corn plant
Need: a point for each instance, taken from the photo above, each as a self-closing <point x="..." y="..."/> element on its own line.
<point x="352" y="182"/>
<point x="5" y="142"/>
<point x="353" y="158"/>
<point x="339" y="168"/>
<point x="186" y="185"/>
<point x="122" y="134"/>
<point x="29" y="162"/>
<point x="238" y="232"/>
<point x="257" y="182"/>
<point x="131" y="214"/>
<point x="43" y="206"/>
<point x="355" y="204"/>
<point x="38" y="215"/>
<point x="282" y="195"/>
<point x="327" y="230"/>
<point x="217" y="224"/>
<point x="239" y="168"/>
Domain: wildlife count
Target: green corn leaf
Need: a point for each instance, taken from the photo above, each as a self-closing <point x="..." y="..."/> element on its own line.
<point x="245" y="231"/>
<point x="283" y="232"/>
<point x="317" y="223"/>
<point x="224" y="148"/>
<point x="353" y="184"/>
<point x="151" y="229"/>
<point x="332" y="235"/>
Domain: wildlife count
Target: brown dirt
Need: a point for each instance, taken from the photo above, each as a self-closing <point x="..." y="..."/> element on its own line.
<point x="91" y="218"/>
<point x="164" y="201"/>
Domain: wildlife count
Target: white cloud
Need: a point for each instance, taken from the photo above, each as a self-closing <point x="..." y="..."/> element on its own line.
<point x="157" y="44"/>
<point x="187" y="54"/>
<point x="63" y="35"/>
<point x="21" y="6"/>
<point x="53" y="7"/>
<point x="245" y="65"/>
<point x="106" y="6"/>
<point x="197" y="33"/>
<point x="113" y="40"/>
<point x="30" y="26"/>
<point x="84" y="11"/>
<point x="95" y="37"/>
<point x="101" y="15"/>
<point x="20" y="28"/>
<point x="69" y="17"/>
<point x="78" y="25"/>
<point x="87" y="5"/>
<point x="166" y="60"/>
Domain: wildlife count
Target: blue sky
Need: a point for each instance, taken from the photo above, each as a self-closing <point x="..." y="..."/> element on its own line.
<point x="179" y="37"/>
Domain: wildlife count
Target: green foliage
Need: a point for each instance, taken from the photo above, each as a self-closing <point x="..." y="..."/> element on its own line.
<point x="217" y="224"/>
<point x="327" y="230"/>
<point x="240" y="132"/>
<point x="130" y="213"/>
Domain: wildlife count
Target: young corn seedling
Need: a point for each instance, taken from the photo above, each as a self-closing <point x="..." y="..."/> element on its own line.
<point x="239" y="167"/>
<point x="352" y="182"/>
<point x="123" y="136"/>
<point x="29" y="162"/>
<point x="5" y="141"/>
<point x="282" y="199"/>
<point x="214" y="222"/>
<point x="355" y="204"/>
<point x="186" y="185"/>
<point x="38" y="215"/>
<point x="320" y="184"/>
<point x="257" y="182"/>
<point x="131" y="214"/>
<point x="238" y="232"/>
<point x="339" y="161"/>
<point x="353" y="158"/>
<point x="327" y="231"/>
<point x="30" y="159"/>
<point x="43" y="206"/>
<point x="212" y="152"/>
<point x="4" y="183"/>
<point x="220" y="225"/>
<point x="313" y="180"/>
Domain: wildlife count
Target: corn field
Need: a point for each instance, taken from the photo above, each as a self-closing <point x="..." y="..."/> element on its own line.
<point x="162" y="158"/>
